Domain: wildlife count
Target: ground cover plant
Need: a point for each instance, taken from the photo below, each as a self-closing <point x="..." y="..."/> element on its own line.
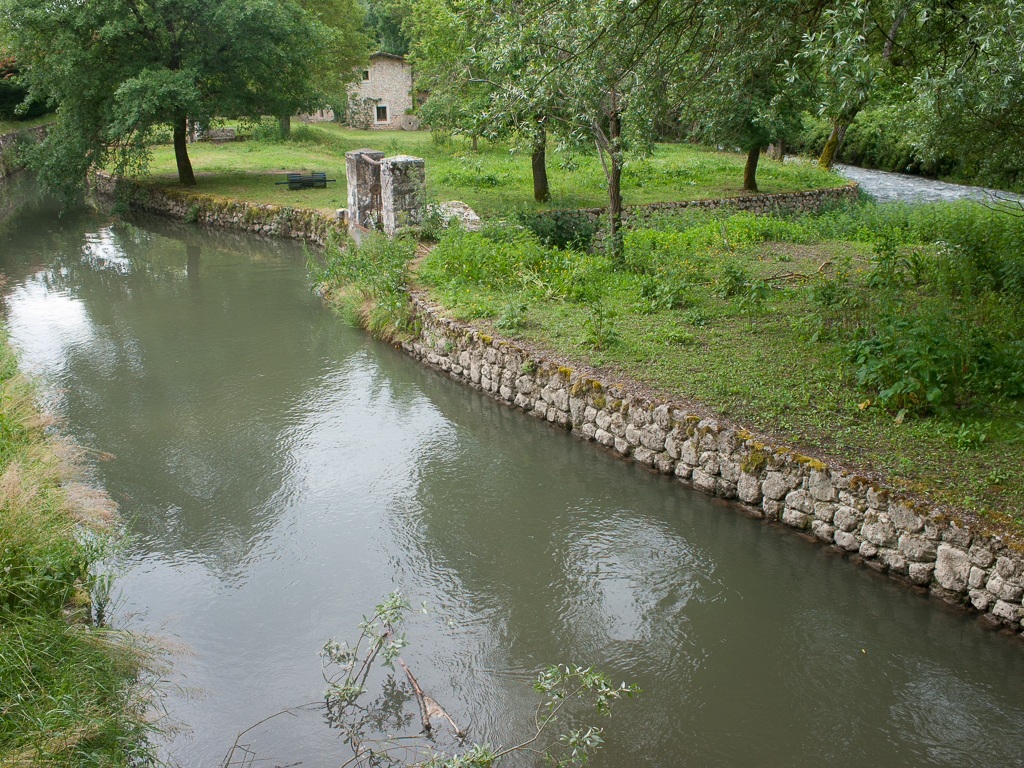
<point x="72" y="691"/>
<point x="493" y="179"/>
<point x="890" y="336"/>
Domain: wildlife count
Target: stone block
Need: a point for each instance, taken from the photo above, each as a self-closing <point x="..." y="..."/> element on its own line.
<point x="730" y="471"/>
<point x="1011" y="612"/>
<point x="796" y="518"/>
<point x="977" y="577"/>
<point x="867" y="549"/>
<point x="618" y="425"/>
<point x="709" y="462"/>
<point x="824" y="511"/>
<point x="846" y="540"/>
<point x="703" y="481"/>
<point x="603" y="419"/>
<point x="981" y="599"/>
<point x="952" y="568"/>
<point x="653" y="437"/>
<point x="904" y="519"/>
<point x="724" y="489"/>
<point x="588" y="431"/>
<point x="644" y="456"/>
<point x="981" y="556"/>
<point x="621" y="446"/>
<point x="879" y="531"/>
<point x="823" y="531"/>
<point x="894" y="560"/>
<point x="748" y="488"/>
<point x="632" y="434"/>
<point x="664" y="463"/>
<point x="775" y="485"/>
<point x="1005" y="589"/>
<point x="772" y="508"/>
<point x="1008" y="568"/>
<point x="800" y="501"/>
<point x="957" y="536"/>
<point x="402" y="181"/>
<point x="604" y="437"/>
<point x="819" y="485"/>
<point x="921" y="573"/>
<point x="688" y="455"/>
<point x="917" y="548"/>
<point x="672" y="445"/>
<point x="683" y="471"/>
<point x="878" y="498"/>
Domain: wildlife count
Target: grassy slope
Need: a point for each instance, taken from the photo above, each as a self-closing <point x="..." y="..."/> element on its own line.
<point x="766" y="372"/>
<point x="492" y="180"/>
<point x="69" y="692"/>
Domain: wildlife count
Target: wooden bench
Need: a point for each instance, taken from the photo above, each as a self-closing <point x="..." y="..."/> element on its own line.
<point x="315" y="180"/>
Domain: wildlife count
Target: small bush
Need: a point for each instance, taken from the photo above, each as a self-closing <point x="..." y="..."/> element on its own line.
<point x="564" y="229"/>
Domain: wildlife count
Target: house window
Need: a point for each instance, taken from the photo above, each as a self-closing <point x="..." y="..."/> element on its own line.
<point x="366" y="74"/>
<point x="382" y="114"/>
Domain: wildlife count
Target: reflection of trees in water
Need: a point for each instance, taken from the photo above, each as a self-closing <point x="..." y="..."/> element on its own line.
<point x="193" y="392"/>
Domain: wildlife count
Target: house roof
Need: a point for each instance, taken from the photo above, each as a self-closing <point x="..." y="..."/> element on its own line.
<point x="386" y="55"/>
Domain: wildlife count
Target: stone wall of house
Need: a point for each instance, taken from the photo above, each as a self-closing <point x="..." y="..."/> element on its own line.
<point x="389" y="85"/>
<point x="875" y="526"/>
<point x="214" y="211"/>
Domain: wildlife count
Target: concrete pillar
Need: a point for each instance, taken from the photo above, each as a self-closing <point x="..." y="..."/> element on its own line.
<point x="402" y="180"/>
<point x="362" y="171"/>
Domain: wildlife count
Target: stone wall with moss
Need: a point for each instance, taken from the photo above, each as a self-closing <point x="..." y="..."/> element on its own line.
<point x="881" y="529"/>
<point x="216" y="211"/>
<point x="781" y="202"/>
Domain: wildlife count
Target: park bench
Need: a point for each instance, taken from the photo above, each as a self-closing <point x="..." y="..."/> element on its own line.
<point x="316" y="180"/>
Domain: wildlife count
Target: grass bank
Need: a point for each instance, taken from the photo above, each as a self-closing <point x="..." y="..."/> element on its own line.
<point x="72" y="691"/>
<point x="884" y="337"/>
<point x="493" y="179"/>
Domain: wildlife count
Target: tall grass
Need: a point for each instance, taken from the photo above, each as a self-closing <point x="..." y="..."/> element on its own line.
<point x="72" y="692"/>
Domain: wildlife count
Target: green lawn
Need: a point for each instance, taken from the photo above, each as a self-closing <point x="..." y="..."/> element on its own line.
<point x="493" y="179"/>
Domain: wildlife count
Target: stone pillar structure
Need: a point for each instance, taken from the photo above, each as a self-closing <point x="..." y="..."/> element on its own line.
<point x="402" y="179"/>
<point x="362" y="171"/>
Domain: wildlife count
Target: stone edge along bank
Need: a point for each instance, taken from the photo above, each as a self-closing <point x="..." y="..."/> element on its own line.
<point x="886" y="531"/>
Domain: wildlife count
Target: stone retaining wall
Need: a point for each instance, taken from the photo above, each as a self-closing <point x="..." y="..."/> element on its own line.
<point x="876" y="527"/>
<point x="214" y="211"/>
<point x="782" y="202"/>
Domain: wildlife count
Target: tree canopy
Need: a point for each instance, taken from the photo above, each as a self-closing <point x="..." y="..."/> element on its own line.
<point x="119" y="69"/>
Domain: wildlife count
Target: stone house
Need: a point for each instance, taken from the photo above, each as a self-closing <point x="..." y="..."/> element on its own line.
<point x="382" y="94"/>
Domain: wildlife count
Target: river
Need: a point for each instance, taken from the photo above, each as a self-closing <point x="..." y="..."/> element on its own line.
<point x="280" y="472"/>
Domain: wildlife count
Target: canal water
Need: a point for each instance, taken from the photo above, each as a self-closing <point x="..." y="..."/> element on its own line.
<point x="280" y="472"/>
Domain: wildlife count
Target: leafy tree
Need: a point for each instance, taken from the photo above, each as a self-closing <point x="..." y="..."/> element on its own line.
<point x="120" y="68"/>
<point x="601" y="70"/>
<point x="385" y="23"/>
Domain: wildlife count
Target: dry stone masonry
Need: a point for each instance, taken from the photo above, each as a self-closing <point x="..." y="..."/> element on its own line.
<point x="885" y="532"/>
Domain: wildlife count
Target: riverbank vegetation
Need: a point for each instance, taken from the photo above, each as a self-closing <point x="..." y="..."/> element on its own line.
<point x="73" y="692"/>
<point x="493" y="179"/>
<point x="888" y="337"/>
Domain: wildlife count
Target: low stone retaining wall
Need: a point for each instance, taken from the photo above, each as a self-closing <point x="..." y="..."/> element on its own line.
<point x="881" y="529"/>
<point x="782" y="202"/>
<point x="214" y="211"/>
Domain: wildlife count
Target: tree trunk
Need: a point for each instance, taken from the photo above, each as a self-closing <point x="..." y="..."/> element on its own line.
<point x="284" y="124"/>
<point x="538" y="161"/>
<point x="185" y="175"/>
<point x="777" y="151"/>
<point x="835" y="138"/>
<point x="474" y="142"/>
<point x="613" y="240"/>
<point x="750" y="170"/>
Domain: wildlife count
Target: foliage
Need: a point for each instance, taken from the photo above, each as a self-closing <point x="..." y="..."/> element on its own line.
<point x="565" y="229"/>
<point x="369" y="280"/>
<point x="119" y="69"/>
<point x="375" y="730"/>
<point x="72" y="692"/>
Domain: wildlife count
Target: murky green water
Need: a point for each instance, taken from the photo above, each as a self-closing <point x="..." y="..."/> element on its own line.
<point x="281" y="472"/>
